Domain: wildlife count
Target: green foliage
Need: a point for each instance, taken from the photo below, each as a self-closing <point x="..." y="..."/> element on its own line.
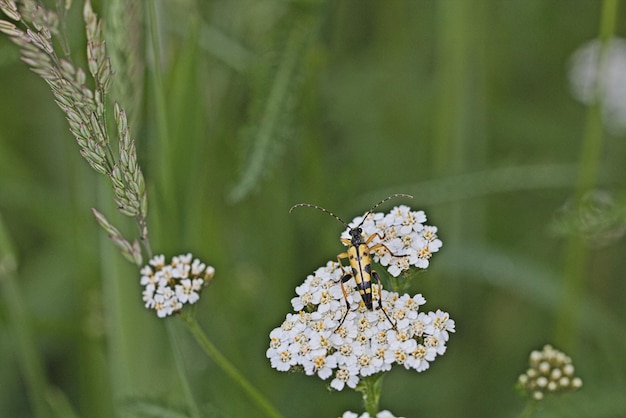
<point x="254" y="106"/>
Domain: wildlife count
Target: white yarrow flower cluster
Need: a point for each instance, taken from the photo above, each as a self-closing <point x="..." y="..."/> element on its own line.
<point x="550" y="371"/>
<point x="167" y="287"/>
<point x="366" y="343"/>
<point x="381" y="414"/>
<point x="402" y="231"/>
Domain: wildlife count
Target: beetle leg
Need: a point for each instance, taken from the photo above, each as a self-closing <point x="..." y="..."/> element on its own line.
<point x="344" y="279"/>
<point x="380" y="299"/>
<point x="374" y="235"/>
<point x="381" y="245"/>
<point x="378" y="245"/>
<point x="340" y="256"/>
<point x="346" y="276"/>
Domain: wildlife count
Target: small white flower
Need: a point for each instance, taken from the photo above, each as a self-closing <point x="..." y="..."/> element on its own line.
<point x="186" y="291"/>
<point x="441" y="324"/>
<point x="322" y="363"/>
<point x="282" y="359"/>
<point x="399" y="351"/>
<point x="381" y="414"/>
<point x="183" y="259"/>
<point x="366" y="363"/>
<point x="421" y="356"/>
<point x="435" y="343"/>
<point x="345" y="353"/>
<point x="162" y="305"/>
<point x="307" y="295"/>
<point x="197" y="267"/>
<point x="147" y="276"/>
<point x="148" y="296"/>
<point x="157" y="261"/>
<point x="345" y="376"/>
<point x="168" y="287"/>
<point x="386" y="414"/>
<point x="398" y="265"/>
<point x="209" y="272"/>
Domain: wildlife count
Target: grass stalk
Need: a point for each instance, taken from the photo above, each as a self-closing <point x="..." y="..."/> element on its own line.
<point x="115" y="311"/>
<point x="180" y="367"/>
<point x="167" y="186"/>
<point x="452" y="65"/>
<point x="228" y="367"/>
<point x="576" y="260"/>
<point x="529" y="410"/>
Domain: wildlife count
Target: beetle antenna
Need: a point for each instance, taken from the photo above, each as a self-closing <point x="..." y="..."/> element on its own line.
<point x="308" y="205"/>
<point x="393" y="196"/>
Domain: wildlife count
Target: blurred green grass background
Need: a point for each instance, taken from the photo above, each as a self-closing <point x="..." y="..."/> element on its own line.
<point x="264" y="104"/>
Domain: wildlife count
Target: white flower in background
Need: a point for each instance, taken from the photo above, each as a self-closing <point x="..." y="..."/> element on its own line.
<point x="402" y="231"/>
<point x="550" y="371"/>
<point x="366" y="342"/>
<point x="168" y="287"/>
<point x="593" y="77"/>
<point x="381" y="414"/>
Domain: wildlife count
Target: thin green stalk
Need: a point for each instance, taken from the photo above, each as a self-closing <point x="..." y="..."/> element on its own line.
<point x="161" y="108"/>
<point x="116" y="311"/>
<point x="371" y="388"/>
<point x="166" y="183"/>
<point x="180" y="366"/>
<point x="400" y="284"/>
<point x="576" y="257"/>
<point x="459" y="142"/>
<point x="452" y="65"/>
<point x="24" y="344"/>
<point x="529" y="410"/>
<point x="228" y="367"/>
<point x="592" y="141"/>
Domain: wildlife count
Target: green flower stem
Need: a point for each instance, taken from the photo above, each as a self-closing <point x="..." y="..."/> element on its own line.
<point x="592" y="141"/>
<point x="371" y="387"/>
<point x="576" y="256"/>
<point x="228" y="367"/>
<point x="529" y="410"/>
<point x="402" y="283"/>
<point x="178" y="358"/>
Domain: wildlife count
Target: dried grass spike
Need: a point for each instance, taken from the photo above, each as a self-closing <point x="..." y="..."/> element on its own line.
<point x="9" y="8"/>
<point x="131" y="252"/>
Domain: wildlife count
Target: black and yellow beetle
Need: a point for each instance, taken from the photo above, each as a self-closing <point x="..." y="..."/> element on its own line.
<point x="358" y="255"/>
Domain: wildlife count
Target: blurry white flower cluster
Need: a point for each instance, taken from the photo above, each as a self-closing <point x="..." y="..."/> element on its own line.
<point x="602" y="78"/>
<point x="366" y="343"/>
<point x="403" y="232"/>
<point x="550" y="371"/>
<point x="381" y="414"/>
<point x="167" y="287"/>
